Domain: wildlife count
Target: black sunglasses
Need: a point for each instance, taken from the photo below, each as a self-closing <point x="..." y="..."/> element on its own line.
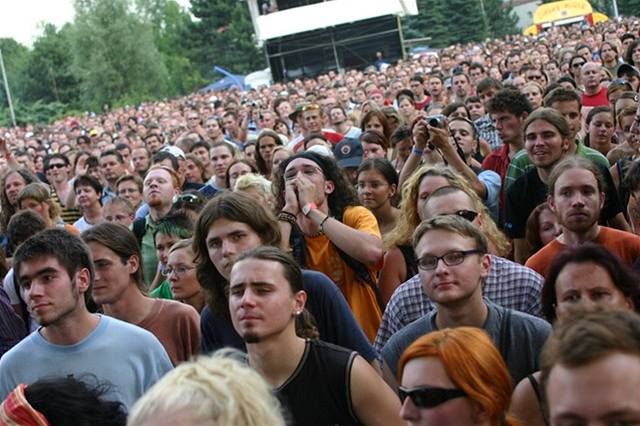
<point x="56" y="166"/>
<point x="424" y="397"/>
<point x="469" y="215"/>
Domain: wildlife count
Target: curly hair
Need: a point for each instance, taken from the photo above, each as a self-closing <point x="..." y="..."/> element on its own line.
<point x="219" y="389"/>
<point x="510" y="100"/>
<point x="343" y="196"/>
<point x="409" y="218"/>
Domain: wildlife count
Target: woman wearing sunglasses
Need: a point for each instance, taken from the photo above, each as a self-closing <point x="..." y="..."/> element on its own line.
<point x="454" y="377"/>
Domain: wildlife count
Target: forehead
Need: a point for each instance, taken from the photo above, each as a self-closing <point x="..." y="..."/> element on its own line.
<point x="158" y="174"/>
<point x="258" y="270"/>
<point x="299" y="163"/>
<point x="220" y="150"/>
<point x="538" y="126"/>
<point x="33" y="265"/>
<point x="223" y="226"/>
<point x="576" y="177"/>
<point x="438" y="241"/>
<point x="460" y="124"/>
<point x="431" y="183"/>
<point x="449" y="203"/>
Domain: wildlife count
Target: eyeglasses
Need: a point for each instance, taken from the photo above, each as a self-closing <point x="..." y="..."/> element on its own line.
<point x="578" y="64"/>
<point x="179" y="270"/>
<point x="469" y="215"/>
<point x="308" y="170"/>
<point x="424" y="397"/>
<point x="56" y="166"/>
<point x="189" y="199"/>
<point x="429" y="262"/>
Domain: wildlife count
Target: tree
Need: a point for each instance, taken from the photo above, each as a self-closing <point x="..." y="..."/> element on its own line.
<point x="170" y="24"/>
<point x="223" y="35"/>
<point x="629" y="7"/>
<point x="470" y="23"/>
<point x="500" y="17"/>
<point x="431" y="21"/>
<point x="48" y="74"/>
<point x="115" y="57"/>
<point x="15" y="57"/>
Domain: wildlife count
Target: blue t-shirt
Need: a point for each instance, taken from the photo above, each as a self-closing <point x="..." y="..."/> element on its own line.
<point x="126" y="356"/>
<point x="335" y="321"/>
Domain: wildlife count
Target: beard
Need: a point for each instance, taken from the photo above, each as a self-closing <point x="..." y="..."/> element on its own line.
<point x="251" y="337"/>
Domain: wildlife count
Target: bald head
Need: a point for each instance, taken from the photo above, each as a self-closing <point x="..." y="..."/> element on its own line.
<point x="590" y="75"/>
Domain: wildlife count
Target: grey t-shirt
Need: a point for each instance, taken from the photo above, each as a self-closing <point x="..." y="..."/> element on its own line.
<point x="518" y="336"/>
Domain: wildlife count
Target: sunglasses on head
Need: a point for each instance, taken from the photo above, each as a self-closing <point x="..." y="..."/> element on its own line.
<point x="425" y="397"/>
<point x="469" y="215"/>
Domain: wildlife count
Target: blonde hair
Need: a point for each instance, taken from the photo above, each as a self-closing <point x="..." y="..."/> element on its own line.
<point x="219" y="389"/>
<point x="258" y="182"/>
<point x="39" y="192"/>
<point x="409" y="218"/>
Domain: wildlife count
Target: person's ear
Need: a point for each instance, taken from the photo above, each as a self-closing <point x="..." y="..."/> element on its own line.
<point x="392" y="190"/>
<point x="83" y="280"/>
<point x="299" y="301"/>
<point x="133" y="264"/>
<point x="602" y="199"/>
<point x="485" y="264"/>
<point x="329" y="187"/>
<point x="550" y="203"/>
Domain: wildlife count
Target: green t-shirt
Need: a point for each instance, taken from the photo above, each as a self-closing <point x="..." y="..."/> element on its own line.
<point x="163" y="291"/>
<point x="521" y="164"/>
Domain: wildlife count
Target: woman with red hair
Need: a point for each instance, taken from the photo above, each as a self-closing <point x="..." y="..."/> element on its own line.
<point x="455" y="377"/>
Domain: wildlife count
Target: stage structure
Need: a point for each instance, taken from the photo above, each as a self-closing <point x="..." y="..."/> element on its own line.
<point x="309" y="37"/>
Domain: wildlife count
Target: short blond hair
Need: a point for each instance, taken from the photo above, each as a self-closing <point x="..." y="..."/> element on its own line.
<point x="217" y="389"/>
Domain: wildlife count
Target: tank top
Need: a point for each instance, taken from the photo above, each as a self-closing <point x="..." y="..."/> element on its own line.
<point x="319" y="390"/>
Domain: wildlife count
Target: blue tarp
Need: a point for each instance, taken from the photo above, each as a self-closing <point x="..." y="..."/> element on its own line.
<point x="224" y="83"/>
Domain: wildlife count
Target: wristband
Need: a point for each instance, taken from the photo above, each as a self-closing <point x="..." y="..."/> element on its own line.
<point x="322" y="223"/>
<point x="287" y="217"/>
<point x="417" y="152"/>
<point x="308" y="207"/>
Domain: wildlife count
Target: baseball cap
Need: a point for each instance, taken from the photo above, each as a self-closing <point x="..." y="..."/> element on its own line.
<point x="625" y="69"/>
<point x="175" y="151"/>
<point x="348" y="153"/>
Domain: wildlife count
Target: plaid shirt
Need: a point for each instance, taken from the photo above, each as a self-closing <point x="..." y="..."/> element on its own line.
<point x="508" y="284"/>
<point x="487" y="131"/>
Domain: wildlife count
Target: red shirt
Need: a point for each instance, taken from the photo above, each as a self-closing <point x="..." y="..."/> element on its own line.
<point x="498" y="161"/>
<point x="599" y="99"/>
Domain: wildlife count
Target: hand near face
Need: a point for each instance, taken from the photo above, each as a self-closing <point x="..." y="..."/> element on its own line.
<point x="291" y="198"/>
<point x="420" y="135"/>
<point x="306" y="190"/>
<point x="438" y="137"/>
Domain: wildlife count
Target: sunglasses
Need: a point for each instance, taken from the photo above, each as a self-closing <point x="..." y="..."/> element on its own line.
<point x="424" y="397"/>
<point x="188" y="199"/>
<point x="469" y="215"/>
<point x="578" y="64"/>
<point x="310" y="107"/>
<point x="56" y="166"/>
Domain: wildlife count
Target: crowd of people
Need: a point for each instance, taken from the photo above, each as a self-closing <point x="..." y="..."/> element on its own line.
<point x="450" y="239"/>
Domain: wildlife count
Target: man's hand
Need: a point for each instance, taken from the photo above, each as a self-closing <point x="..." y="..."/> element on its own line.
<point x="306" y="190"/>
<point x="291" y="204"/>
<point x="420" y="132"/>
<point x="439" y="138"/>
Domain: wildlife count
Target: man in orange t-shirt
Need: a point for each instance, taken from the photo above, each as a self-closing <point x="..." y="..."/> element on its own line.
<point x="576" y="197"/>
<point x="328" y="231"/>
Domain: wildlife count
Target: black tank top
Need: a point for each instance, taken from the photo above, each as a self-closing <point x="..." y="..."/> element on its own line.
<point x="319" y="392"/>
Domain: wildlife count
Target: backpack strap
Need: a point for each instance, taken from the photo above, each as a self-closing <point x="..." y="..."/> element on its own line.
<point x="138" y="229"/>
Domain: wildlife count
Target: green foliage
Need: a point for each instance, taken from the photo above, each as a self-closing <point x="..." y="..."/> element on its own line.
<point x="15" y="58"/>
<point x="223" y="35"/>
<point x="114" y="54"/>
<point x="460" y="21"/>
<point x="629" y="7"/>
<point x="35" y="112"/>
<point x="501" y="19"/>
<point x="48" y="74"/>
<point x="431" y="21"/>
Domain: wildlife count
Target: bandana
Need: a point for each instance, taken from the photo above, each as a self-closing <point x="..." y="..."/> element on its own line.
<point x="16" y="411"/>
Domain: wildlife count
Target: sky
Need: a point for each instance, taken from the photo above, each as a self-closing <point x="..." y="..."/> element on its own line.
<point x="22" y="19"/>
